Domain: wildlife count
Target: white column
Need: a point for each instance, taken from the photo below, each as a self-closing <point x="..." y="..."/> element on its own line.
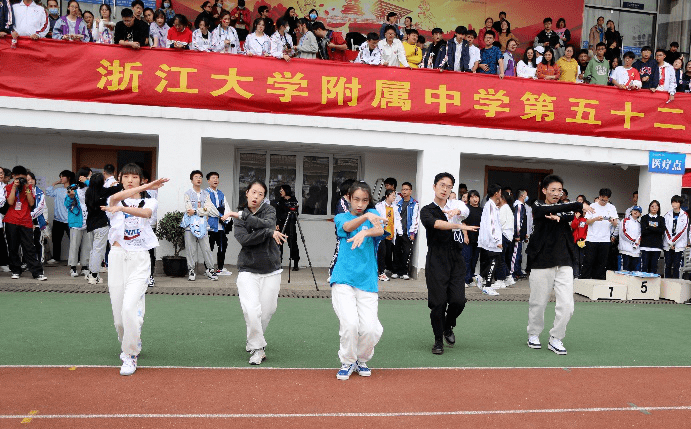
<point x="431" y="162"/>
<point x="657" y="186"/>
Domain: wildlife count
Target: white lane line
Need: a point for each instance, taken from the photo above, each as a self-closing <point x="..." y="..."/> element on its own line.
<point x="306" y="415"/>
<point x="254" y="368"/>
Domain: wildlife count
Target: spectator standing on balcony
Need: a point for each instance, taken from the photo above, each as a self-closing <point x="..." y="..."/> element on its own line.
<point x="241" y="16"/>
<point x="505" y="35"/>
<point x="568" y="65"/>
<point x="225" y="38"/>
<point x="457" y="51"/>
<point x="473" y="52"/>
<point x="678" y="72"/>
<point x="138" y="9"/>
<point x="667" y="81"/>
<point x="408" y="24"/>
<point x="391" y="20"/>
<point x="19" y="225"/>
<point x="491" y="61"/>
<point x="291" y="18"/>
<point x="612" y="42"/>
<point x="597" y="70"/>
<point x="527" y="67"/>
<point x="369" y="52"/>
<point x="53" y="15"/>
<point x="435" y="56"/>
<point x="308" y="46"/>
<point x="148" y="15"/>
<point x="484" y="30"/>
<point x="413" y="54"/>
<point x="597" y="34"/>
<point x="88" y="18"/>
<point x="179" y="36"/>
<point x="30" y="19"/>
<point x="496" y="26"/>
<point x="201" y="37"/>
<point x="268" y="22"/>
<point x="392" y="51"/>
<point x="71" y="27"/>
<point x="564" y="35"/>
<point x="312" y="17"/>
<point x="104" y="28"/>
<point x="548" y="69"/>
<point x="167" y="8"/>
<point x="675" y="239"/>
<point x="333" y="45"/>
<point x="547" y="38"/>
<point x="652" y="233"/>
<point x="257" y="42"/>
<point x="216" y="12"/>
<point x="648" y="69"/>
<point x="509" y="61"/>
<point x="158" y="30"/>
<point x="130" y="31"/>
<point x="583" y="59"/>
<point x="207" y="6"/>
<point x="627" y="77"/>
<point x="673" y="54"/>
<point x="281" y="42"/>
<point x="685" y="79"/>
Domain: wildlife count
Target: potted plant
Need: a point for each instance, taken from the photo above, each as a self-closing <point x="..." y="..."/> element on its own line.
<point x="169" y="229"/>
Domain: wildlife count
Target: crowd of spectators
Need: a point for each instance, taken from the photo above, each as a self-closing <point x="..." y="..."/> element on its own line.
<point x="491" y="50"/>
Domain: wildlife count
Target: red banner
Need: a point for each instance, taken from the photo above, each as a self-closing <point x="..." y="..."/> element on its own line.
<point x="163" y="77"/>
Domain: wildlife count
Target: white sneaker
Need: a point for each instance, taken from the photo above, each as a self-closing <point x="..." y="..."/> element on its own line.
<point x="129" y="365"/>
<point x="510" y="281"/>
<point x="73" y="273"/>
<point x="41" y="278"/>
<point x="94" y="280"/>
<point x="478" y="281"/>
<point x="5" y="269"/>
<point x="489" y="291"/>
<point x="224" y="272"/>
<point x="257" y="357"/>
<point x="15" y="276"/>
<point x="151" y="282"/>
<point x="405" y="277"/>
<point x="499" y="284"/>
<point x="85" y="272"/>
<point x="534" y="342"/>
<point x="211" y="274"/>
<point x="394" y="276"/>
<point x="192" y="276"/>
<point x="383" y="278"/>
<point x="345" y="371"/>
<point x="556" y="346"/>
<point x="52" y="262"/>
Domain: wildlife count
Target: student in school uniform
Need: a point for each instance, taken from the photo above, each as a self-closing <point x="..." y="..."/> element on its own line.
<point x="354" y="289"/>
<point x="130" y="238"/>
<point x="630" y="240"/>
<point x="198" y="208"/>
<point x="676" y="237"/>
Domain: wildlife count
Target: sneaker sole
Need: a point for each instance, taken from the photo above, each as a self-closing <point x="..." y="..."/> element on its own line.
<point x="364" y="374"/>
<point x="342" y="377"/>
<point x="534" y="346"/>
<point x="255" y="363"/>
<point x="448" y="343"/>
<point x="437" y="352"/>
<point x="559" y="352"/>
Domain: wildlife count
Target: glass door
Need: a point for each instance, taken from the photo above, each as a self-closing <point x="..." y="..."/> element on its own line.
<point x="637" y="29"/>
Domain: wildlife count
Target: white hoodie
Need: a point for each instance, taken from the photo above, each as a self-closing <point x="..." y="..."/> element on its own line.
<point x="629" y="233"/>
<point x="670" y="81"/>
<point x="680" y="238"/>
<point x="490" y="228"/>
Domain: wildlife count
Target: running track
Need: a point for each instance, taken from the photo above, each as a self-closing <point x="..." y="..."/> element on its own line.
<point x="98" y="397"/>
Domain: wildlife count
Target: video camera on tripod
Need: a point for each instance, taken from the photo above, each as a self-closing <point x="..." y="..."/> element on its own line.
<point x="293" y="213"/>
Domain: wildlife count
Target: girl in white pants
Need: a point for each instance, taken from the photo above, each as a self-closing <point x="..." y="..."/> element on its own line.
<point x="354" y="289"/>
<point x="259" y="267"/>
<point x="129" y="264"/>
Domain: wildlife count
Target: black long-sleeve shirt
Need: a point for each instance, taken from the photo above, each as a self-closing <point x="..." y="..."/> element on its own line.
<point x="551" y="244"/>
<point x="652" y="231"/>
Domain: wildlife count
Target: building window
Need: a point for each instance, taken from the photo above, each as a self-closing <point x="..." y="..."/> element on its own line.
<point x="315" y="180"/>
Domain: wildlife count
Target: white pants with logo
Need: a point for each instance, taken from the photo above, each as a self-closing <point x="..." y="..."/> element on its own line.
<point x="127" y="276"/>
<point x="258" y="299"/>
<point x="191" y="250"/>
<point x="359" y="327"/>
<point x="542" y="281"/>
<point x="98" y="249"/>
<point x="79" y="239"/>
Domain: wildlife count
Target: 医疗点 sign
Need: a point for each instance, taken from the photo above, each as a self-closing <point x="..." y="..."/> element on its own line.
<point x="665" y="162"/>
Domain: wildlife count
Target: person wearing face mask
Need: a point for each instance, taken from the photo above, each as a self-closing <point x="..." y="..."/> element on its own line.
<point x="53" y="16"/>
<point x="241" y="16"/>
<point x="216" y="12"/>
<point x="281" y="42"/>
<point x="312" y="16"/>
<point x="167" y="8"/>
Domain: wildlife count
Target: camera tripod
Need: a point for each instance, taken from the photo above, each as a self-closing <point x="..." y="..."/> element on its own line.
<point x="292" y="214"/>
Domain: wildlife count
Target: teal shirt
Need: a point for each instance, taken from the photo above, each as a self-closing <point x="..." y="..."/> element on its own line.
<point x="355" y="267"/>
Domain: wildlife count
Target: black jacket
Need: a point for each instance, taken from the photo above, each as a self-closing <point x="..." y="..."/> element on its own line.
<point x="254" y="232"/>
<point x="451" y="55"/>
<point x="95" y="217"/>
<point x="551" y="244"/>
<point x="652" y="231"/>
<point x="553" y="39"/>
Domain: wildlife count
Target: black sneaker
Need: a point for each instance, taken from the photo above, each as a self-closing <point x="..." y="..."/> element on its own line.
<point x="438" y="347"/>
<point x="450" y="338"/>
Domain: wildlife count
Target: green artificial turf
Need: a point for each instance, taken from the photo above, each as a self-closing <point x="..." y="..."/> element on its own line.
<point x="77" y="329"/>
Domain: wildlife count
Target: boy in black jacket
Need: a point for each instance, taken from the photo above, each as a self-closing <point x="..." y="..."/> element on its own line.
<point x="551" y="256"/>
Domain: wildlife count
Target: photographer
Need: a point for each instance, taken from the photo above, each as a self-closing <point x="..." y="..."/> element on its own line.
<point x="19" y="225"/>
<point x="286" y="204"/>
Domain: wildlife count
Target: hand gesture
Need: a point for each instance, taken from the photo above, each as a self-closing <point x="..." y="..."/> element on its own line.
<point x="190" y="212"/>
<point x="236" y="215"/>
<point x="156" y="184"/>
<point x="587" y="208"/>
<point x="112" y="209"/>
<point x="465" y="227"/>
<point x="357" y="240"/>
<point x="553" y="217"/>
<point x="279" y="237"/>
<point x="374" y="218"/>
<point x="70" y="192"/>
<point x="452" y="213"/>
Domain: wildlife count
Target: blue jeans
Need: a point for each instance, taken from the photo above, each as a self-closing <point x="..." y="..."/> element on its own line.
<point x="629" y="263"/>
<point x="649" y="261"/>
<point x="672" y="263"/>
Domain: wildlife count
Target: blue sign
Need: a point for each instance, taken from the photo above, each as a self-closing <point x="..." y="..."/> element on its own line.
<point x="635" y="49"/>
<point x="631" y="5"/>
<point x="121" y="3"/>
<point x="668" y="163"/>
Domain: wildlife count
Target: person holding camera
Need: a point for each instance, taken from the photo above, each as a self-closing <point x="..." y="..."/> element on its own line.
<point x="19" y="225"/>
<point x="75" y="202"/>
<point x="286" y="222"/>
<point x="225" y="38"/>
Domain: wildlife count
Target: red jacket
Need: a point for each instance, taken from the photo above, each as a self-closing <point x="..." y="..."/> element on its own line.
<point x="242" y="19"/>
<point x="580" y="228"/>
<point x="334" y="54"/>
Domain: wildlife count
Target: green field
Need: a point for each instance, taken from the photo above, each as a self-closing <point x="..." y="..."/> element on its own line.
<point x="77" y="329"/>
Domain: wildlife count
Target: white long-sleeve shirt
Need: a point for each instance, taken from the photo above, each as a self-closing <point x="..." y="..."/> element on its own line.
<point x="199" y="42"/>
<point x="668" y="82"/>
<point x="629" y="233"/>
<point x="506" y="218"/>
<point x="394" y="54"/>
<point x="367" y="56"/>
<point x="279" y="44"/>
<point x="490" y="228"/>
<point x="30" y="19"/>
<point x="257" y="45"/>
<point x="676" y="235"/>
<point x="219" y="37"/>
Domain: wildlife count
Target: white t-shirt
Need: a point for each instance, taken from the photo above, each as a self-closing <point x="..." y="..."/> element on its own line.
<point x="506" y="218"/>
<point x="599" y="231"/>
<point x="474" y="54"/>
<point x="131" y="232"/>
